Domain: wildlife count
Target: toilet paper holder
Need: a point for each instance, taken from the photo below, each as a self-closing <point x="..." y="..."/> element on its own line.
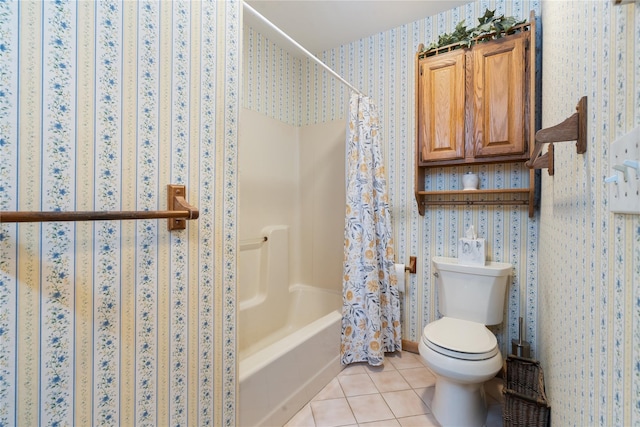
<point x="411" y="268"/>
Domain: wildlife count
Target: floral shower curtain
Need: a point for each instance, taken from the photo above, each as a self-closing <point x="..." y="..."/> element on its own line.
<point x="371" y="303"/>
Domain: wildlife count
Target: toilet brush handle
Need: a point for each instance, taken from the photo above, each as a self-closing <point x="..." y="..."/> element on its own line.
<point x="520" y="331"/>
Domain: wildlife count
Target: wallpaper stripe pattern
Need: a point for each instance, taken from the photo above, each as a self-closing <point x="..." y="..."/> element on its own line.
<point x="107" y="194"/>
<point x="228" y="215"/>
<point x="8" y="132"/>
<point x="101" y="105"/>
<point x="207" y="304"/>
<point x="589" y="257"/>
<point x="56" y="321"/>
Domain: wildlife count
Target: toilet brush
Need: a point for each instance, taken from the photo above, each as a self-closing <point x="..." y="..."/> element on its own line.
<point x="519" y="347"/>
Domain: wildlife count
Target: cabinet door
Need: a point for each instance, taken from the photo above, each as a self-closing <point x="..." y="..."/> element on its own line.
<point x="440" y="107"/>
<point x="499" y="97"/>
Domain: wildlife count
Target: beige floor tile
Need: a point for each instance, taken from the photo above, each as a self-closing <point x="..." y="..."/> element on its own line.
<point x="369" y="407"/>
<point x="355" y="385"/>
<point x="389" y="381"/>
<point x="405" y="408"/>
<point x="418" y="377"/>
<point x="385" y="423"/>
<point x="405" y="403"/>
<point x="425" y="420"/>
<point x="332" y="412"/>
<point x="330" y="391"/>
<point x="406" y="360"/>
<point x="304" y="418"/>
<point x="354" y="369"/>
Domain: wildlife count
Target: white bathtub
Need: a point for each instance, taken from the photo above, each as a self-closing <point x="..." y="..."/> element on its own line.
<point x="288" y="336"/>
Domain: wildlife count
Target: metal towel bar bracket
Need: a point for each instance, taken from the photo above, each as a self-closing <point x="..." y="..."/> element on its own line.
<point x="178" y="211"/>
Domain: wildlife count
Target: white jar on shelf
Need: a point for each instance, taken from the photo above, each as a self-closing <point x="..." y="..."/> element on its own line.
<point x="470" y="181"/>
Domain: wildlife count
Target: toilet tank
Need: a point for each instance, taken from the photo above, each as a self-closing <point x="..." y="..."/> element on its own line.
<point x="472" y="292"/>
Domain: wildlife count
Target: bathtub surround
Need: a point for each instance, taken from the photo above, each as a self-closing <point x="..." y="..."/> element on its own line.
<point x="295" y="176"/>
<point x="371" y="301"/>
<point x="102" y="104"/>
<point x="291" y="190"/>
<point x="577" y="266"/>
<point x="264" y="306"/>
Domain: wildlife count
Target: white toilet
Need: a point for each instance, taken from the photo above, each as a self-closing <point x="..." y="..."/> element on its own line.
<point x="459" y="348"/>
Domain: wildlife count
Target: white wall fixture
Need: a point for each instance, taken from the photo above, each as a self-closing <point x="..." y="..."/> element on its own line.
<point x="624" y="181"/>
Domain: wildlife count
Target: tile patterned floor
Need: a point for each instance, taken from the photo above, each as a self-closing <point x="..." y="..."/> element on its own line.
<point x="396" y="394"/>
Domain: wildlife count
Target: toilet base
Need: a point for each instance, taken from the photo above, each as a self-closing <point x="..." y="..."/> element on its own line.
<point x="450" y="397"/>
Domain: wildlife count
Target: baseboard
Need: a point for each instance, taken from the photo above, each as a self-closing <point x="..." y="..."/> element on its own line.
<point x="410" y="346"/>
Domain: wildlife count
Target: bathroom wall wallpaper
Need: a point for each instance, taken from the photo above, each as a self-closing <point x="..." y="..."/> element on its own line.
<point x="273" y="79"/>
<point x="102" y="104"/>
<point x="589" y="258"/>
<point x="382" y="66"/>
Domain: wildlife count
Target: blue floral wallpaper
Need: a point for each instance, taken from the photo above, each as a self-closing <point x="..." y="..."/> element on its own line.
<point x="589" y="259"/>
<point x="102" y="104"/>
<point x="577" y="266"/>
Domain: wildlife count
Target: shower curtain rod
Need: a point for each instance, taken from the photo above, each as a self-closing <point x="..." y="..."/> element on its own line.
<point x="299" y="46"/>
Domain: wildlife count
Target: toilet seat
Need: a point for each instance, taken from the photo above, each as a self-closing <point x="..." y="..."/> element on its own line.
<point x="460" y="339"/>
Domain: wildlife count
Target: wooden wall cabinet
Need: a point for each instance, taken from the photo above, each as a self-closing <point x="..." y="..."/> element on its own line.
<point x="476" y="106"/>
<point x="441" y="106"/>
<point x="499" y="94"/>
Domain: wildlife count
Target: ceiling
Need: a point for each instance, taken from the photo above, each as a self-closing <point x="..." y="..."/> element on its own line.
<point x="319" y="25"/>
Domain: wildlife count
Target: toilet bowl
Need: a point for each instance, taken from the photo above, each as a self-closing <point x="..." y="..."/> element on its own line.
<point x="459" y="349"/>
<point x="463" y="355"/>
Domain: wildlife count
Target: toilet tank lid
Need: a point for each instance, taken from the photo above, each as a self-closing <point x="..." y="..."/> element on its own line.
<point x="491" y="268"/>
<point x="461" y="335"/>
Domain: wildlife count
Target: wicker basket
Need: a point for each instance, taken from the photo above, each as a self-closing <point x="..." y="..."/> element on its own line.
<point x="525" y="403"/>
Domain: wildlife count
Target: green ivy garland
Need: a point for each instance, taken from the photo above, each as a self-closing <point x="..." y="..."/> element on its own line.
<point x="489" y="23"/>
